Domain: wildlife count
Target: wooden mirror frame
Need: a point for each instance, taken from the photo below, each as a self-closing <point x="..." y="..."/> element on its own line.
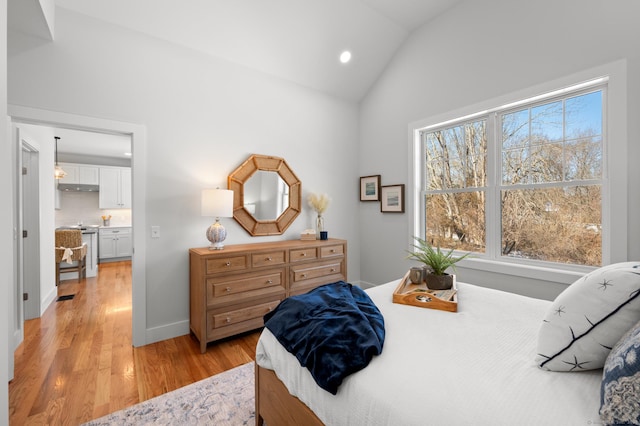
<point x="236" y="183"/>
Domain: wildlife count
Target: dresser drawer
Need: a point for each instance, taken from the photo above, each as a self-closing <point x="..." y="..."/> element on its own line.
<point x="243" y="285"/>
<point x="235" y="316"/>
<point x="305" y="277"/>
<point x="315" y="271"/>
<point x="226" y="264"/>
<point x="331" y="251"/>
<point x="272" y="258"/>
<point x="299" y="255"/>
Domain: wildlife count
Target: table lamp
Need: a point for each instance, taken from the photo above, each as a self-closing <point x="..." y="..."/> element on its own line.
<point x="217" y="203"/>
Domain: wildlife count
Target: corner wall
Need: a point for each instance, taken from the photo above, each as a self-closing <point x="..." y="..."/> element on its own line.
<point x="483" y="50"/>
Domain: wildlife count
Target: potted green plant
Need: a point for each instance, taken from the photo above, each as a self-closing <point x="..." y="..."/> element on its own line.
<point x="437" y="262"/>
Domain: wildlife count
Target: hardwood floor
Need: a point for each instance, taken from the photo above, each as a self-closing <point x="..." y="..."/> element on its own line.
<point x="77" y="362"/>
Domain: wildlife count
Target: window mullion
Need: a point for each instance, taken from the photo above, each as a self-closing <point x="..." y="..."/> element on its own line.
<point x="492" y="208"/>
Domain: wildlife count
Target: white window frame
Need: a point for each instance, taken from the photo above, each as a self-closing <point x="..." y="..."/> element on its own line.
<point x="614" y="179"/>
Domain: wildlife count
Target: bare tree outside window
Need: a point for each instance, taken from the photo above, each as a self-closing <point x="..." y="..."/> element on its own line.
<point x="549" y="182"/>
<point x="551" y="200"/>
<point x="457" y="177"/>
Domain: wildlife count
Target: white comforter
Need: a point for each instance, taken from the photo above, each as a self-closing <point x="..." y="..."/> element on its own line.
<point x="473" y="367"/>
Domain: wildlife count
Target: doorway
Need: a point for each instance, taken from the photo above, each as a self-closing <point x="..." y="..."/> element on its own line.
<point x="37" y="195"/>
<point x="137" y="133"/>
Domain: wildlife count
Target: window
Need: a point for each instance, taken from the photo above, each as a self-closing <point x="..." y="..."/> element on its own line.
<point x="456" y="174"/>
<point x="522" y="183"/>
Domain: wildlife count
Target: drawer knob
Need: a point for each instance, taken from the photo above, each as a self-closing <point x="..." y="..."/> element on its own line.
<point x="333" y="250"/>
<point x="333" y="269"/>
<point x="228" y="263"/>
<point x="269" y="309"/>
<point x="228" y="289"/>
<point x="304" y="275"/>
<point x="269" y="281"/>
<point x="304" y="254"/>
<point x="228" y="320"/>
<point x="268" y="259"/>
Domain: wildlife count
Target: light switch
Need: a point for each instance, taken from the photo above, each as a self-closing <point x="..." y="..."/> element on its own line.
<point x="155" y="232"/>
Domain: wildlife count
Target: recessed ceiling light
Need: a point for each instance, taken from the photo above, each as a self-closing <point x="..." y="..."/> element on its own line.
<point x="128" y="154"/>
<point x="345" y="56"/>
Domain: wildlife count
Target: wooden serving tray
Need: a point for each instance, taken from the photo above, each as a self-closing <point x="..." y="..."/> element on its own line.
<point x="419" y="295"/>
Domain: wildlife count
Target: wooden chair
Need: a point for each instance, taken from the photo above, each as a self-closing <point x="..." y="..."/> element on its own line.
<point x="71" y="239"/>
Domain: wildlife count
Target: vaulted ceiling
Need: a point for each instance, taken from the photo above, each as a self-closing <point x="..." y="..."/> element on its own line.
<point x="298" y="40"/>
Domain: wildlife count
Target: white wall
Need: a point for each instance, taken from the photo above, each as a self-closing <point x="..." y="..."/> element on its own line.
<point x="479" y="51"/>
<point x="6" y="231"/>
<point x="204" y="117"/>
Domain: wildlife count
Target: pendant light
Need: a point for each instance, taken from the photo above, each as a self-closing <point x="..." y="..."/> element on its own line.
<point x="58" y="173"/>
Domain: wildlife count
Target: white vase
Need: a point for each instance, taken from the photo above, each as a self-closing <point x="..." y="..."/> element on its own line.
<point x="319" y="226"/>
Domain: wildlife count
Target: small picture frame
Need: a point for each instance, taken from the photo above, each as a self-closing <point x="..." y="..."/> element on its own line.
<point x="370" y="188"/>
<point x="392" y="199"/>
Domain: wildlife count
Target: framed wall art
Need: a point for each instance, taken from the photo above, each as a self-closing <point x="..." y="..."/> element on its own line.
<point x="392" y="199"/>
<point x="370" y="188"/>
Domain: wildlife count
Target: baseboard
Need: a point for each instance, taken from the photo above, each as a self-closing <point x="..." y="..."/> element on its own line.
<point x="18" y="338"/>
<point x="168" y="331"/>
<point x="365" y="285"/>
<point x="46" y="301"/>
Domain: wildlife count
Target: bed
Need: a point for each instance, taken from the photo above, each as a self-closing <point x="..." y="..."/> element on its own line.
<point x="473" y="367"/>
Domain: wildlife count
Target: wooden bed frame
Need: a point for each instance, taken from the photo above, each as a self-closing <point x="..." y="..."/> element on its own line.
<point x="276" y="406"/>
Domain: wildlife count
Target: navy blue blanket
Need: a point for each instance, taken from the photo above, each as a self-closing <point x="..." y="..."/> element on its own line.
<point x="334" y="330"/>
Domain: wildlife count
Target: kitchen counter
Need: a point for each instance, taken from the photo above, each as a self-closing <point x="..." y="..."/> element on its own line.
<point x="86" y="229"/>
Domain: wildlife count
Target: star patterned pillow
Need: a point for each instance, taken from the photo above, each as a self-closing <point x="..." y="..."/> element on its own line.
<point x="589" y="317"/>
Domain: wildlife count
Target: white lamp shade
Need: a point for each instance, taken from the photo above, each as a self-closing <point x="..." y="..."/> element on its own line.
<point x="217" y="203"/>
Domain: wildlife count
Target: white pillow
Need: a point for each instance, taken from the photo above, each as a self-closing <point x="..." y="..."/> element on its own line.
<point x="589" y="317"/>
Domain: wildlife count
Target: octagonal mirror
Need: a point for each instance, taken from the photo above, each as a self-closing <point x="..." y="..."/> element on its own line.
<point x="266" y="195"/>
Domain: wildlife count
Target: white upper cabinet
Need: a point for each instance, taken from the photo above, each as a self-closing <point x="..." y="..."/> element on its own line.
<point x="89" y="175"/>
<point x="80" y="174"/>
<point x="72" y="175"/>
<point x="115" y="188"/>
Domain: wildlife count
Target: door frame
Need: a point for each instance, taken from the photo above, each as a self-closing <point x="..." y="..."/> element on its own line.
<point x="138" y="134"/>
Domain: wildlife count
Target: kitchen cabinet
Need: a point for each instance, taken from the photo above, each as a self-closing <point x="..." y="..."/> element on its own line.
<point x="115" y="243"/>
<point x="115" y="188"/>
<point x="84" y="174"/>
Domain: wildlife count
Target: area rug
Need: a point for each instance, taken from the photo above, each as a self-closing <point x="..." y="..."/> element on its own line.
<point x="226" y="399"/>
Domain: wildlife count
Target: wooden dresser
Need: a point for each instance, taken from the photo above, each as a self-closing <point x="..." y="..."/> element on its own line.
<point x="232" y="289"/>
